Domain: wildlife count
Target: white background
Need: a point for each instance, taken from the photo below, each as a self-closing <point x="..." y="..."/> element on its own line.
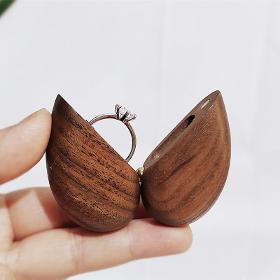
<point x="160" y="58"/>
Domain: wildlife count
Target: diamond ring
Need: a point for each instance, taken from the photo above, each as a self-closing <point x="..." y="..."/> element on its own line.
<point x="125" y="116"/>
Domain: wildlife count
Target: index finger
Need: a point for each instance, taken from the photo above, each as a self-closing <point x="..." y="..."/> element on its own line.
<point x="23" y="145"/>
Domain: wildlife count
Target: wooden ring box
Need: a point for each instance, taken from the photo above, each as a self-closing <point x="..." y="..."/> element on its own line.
<point x="182" y="177"/>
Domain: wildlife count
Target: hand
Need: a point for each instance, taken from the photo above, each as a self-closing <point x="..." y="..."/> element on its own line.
<point x="37" y="241"/>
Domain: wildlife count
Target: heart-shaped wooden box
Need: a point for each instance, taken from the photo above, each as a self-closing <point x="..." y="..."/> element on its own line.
<point x="182" y="177"/>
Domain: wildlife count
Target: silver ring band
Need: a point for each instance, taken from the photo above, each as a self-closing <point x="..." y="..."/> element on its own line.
<point x="125" y="116"/>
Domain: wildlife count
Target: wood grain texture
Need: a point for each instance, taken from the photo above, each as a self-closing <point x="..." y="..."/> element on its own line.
<point x="186" y="172"/>
<point x="96" y="187"/>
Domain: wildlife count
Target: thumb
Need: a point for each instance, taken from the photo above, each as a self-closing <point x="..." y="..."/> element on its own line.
<point x="23" y="145"/>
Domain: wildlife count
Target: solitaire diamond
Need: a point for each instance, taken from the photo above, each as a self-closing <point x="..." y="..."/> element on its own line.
<point x="123" y="114"/>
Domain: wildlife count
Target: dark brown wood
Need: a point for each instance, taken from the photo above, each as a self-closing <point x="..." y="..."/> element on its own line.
<point x="96" y="187"/>
<point x="182" y="177"/>
<point x="186" y="172"/>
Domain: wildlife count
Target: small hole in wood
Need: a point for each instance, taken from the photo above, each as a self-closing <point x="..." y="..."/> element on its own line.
<point x="189" y="120"/>
<point x="205" y="103"/>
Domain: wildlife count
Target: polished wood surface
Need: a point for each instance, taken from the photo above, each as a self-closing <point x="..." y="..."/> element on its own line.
<point x="186" y="172"/>
<point x="96" y="187"/>
<point x="182" y="177"/>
